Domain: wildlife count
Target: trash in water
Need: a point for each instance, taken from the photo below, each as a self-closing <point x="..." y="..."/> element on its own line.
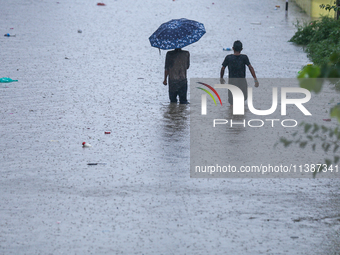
<point x="94" y="164"/>
<point x="107" y="132"/>
<point x="255" y="23"/>
<point x="6" y="80"/>
<point x="79" y="31"/>
<point x="277" y="6"/>
<point x="294" y="237"/>
<point x="86" y="145"/>
<point x="326" y="119"/>
<point x="100" y="4"/>
<point x="9" y="35"/>
<point x="227" y="49"/>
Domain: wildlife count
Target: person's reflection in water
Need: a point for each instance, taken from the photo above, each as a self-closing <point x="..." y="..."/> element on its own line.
<point x="237" y="126"/>
<point x="176" y="121"/>
<point x="176" y="134"/>
<point x="228" y="141"/>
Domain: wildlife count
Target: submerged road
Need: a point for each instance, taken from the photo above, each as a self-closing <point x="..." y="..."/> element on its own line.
<point x="73" y="87"/>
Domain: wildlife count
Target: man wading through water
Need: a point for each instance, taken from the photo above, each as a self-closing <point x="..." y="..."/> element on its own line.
<point x="237" y="63"/>
<point x="176" y="64"/>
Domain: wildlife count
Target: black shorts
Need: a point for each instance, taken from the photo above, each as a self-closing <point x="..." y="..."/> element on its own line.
<point x="179" y="88"/>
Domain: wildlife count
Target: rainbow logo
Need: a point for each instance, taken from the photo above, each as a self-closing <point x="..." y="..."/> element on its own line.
<point x="209" y="93"/>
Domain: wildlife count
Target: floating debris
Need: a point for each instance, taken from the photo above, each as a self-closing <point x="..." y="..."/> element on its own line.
<point x="6" y="80"/>
<point x="85" y="145"/>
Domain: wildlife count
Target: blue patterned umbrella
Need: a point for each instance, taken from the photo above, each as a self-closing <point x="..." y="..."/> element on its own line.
<point x="177" y="33"/>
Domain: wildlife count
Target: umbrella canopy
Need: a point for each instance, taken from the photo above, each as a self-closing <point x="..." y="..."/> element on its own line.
<point x="177" y="33"/>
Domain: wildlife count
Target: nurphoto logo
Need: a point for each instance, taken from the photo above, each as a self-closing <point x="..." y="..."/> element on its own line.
<point x="238" y="104"/>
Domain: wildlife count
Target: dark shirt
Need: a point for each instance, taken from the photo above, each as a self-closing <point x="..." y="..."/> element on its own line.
<point x="176" y="63"/>
<point x="236" y="65"/>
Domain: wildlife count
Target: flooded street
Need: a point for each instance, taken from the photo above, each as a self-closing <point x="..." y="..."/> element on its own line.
<point x="73" y="87"/>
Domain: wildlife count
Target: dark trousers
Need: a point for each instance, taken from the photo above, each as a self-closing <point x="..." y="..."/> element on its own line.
<point x="240" y="83"/>
<point x="178" y="88"/>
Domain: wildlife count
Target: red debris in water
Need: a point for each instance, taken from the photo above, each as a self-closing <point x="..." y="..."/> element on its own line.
<point x="107" y="132"/>
<point x="101" y="4"/>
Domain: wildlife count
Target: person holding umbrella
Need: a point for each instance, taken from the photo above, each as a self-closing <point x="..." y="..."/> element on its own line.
<point x="176" y="64"/>
<point x="176" y="34"/>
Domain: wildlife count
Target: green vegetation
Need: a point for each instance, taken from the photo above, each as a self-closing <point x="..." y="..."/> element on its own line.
<point x="321" y="39"/>
<point x="320" y="137"/>
<point x="328" y="7"/>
